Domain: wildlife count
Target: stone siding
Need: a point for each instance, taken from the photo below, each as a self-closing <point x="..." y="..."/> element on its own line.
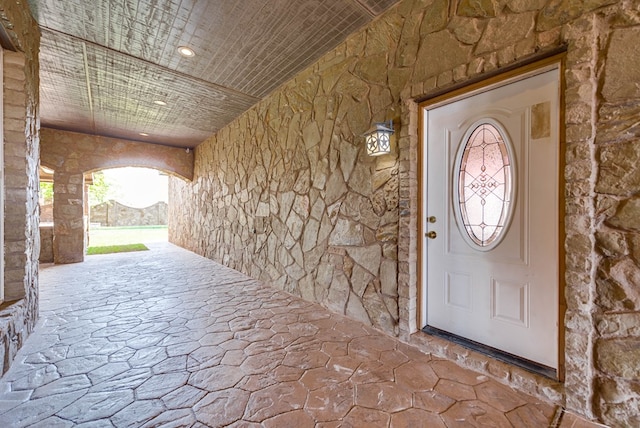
<point x="46" y="213"/>
<point x="608" y="318"/>
<point x="72" y="154"/>
<point x="286" y="194"/>
<point x="46" y="244"/>
<point x="113" y="213"/>
<point x="19" y="312"/>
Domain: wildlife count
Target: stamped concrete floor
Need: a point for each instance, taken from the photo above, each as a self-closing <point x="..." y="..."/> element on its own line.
<point x="165" y="338"/>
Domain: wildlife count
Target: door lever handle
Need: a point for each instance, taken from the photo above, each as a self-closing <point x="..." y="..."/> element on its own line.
<point x="431" y="234"/>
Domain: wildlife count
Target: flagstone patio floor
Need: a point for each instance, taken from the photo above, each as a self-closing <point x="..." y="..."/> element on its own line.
<point x="166" y="338"/>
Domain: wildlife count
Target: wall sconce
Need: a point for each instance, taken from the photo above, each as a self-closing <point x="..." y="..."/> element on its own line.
<point x="378" y="139"/>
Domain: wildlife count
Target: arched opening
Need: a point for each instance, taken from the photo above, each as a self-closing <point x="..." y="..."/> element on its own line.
<point x="67" y="227"/>
<point x="73" y="156"/>
<point x="126" y="209"/>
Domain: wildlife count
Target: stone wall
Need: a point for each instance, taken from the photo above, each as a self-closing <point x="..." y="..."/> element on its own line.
<point x="19" y="312"/>
<point x="113" y="213"/>
<point x="46" y="213"/>
<point x="613" y="305"/>
<point x="46" y="244"/>
<point x="72" y="154"/>
<point x="286" y="193"/>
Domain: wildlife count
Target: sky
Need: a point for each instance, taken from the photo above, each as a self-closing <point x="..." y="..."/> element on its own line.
<point x="137" y="187"/>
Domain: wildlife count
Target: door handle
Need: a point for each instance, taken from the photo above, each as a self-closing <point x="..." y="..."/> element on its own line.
<point x="431" y="234"/>
<point x="431" y="219"/>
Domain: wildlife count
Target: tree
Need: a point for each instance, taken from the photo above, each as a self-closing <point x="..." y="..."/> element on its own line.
<point x="46" y="192"/>
<point x="101" y="190"/>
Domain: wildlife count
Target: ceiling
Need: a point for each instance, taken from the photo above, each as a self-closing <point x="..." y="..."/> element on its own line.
<point x="105" y="63"/>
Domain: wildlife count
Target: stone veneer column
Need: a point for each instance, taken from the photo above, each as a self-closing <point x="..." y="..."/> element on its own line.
<point x="68" y="212"/>
<point x="19" y="311"/>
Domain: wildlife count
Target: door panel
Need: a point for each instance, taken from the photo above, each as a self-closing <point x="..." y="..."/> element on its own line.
<point x="503" y="294"/>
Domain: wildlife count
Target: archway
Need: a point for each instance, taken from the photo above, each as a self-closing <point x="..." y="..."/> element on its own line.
<point x="127" y="209"/>
<point x="71" y="155"/>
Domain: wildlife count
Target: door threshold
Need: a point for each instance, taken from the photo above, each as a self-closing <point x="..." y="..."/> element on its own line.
<point x="497" y="354"/>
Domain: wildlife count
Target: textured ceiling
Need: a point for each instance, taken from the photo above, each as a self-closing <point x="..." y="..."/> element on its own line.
<point x="105" y="62"/>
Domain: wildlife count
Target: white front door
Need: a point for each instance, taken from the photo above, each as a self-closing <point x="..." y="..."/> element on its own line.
<point x="491" y="217"/>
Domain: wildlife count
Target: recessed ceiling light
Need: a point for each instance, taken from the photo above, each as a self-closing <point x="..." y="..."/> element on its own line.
<point x="186" y="51"/>
<point x="160" y="102"/>
<point x="144" y="134"/>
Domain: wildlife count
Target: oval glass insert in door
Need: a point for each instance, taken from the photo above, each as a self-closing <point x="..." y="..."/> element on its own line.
<point x="483" y="185"/>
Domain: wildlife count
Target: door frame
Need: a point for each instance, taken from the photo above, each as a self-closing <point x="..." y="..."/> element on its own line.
<point x="2" y="180"/>
<point x="520" y="73"/>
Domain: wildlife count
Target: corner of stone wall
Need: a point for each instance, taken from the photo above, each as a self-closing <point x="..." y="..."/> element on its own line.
<point x="19" y="312"/>
<point x="408" y="234"/>
<point x="579" y="175"/>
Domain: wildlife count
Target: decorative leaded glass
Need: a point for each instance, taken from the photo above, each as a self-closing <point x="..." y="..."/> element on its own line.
<point x="484" y="185"/>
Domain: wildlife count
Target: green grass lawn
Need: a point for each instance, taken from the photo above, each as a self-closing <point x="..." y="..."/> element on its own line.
<point x="106" y="236"/>
<point x="91" y="251"/>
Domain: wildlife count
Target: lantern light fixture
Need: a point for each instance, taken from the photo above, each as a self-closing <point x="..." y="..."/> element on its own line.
<point x="378" y="139"/>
